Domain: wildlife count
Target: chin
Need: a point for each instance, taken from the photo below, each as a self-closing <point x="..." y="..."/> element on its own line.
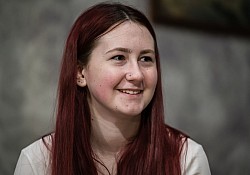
<point x="134" y="113"/>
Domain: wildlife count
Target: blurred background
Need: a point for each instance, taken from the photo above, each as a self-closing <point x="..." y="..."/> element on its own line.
<point x="205" y="76"/>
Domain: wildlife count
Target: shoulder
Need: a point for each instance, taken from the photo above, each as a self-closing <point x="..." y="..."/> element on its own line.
<point x="34" y="159"/>
<point x="39" y="150"/>
<point x="194" y="159"/>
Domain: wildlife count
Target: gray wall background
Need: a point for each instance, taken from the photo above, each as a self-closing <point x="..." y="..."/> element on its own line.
<point x="206" y="81"/>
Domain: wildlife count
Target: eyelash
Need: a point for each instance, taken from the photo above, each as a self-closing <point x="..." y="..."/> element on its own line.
<point x="118" y="57"/>
<point x="121" y="57"/>
<point x="146" y="59"/>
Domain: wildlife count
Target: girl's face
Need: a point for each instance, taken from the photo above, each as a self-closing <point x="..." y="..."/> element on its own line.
<point x="121" y="75"/>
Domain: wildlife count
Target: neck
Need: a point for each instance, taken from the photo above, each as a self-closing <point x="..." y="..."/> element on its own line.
<point x="109" y="137"/>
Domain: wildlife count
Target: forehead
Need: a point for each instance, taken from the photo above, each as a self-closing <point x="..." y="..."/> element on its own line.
<point x="127" y="34"/>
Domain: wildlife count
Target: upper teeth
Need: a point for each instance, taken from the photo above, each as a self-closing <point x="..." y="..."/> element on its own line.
<point x="131" y="91"/>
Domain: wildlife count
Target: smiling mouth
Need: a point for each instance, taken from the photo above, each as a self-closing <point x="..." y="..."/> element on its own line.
<point x="131" y="92"/>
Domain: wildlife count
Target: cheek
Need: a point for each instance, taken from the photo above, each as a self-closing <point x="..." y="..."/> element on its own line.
<point x="101" y="83"/>
<point x="98" y="90"/>
<point x="107" y="80"/>
<point x="152" y="78"/>
<point x="155" y="79"/>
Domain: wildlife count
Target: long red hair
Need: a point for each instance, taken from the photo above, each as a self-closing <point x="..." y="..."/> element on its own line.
<point x="156" y="149"/>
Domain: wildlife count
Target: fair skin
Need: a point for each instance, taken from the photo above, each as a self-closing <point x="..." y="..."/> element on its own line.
<point x="121" y="77"/>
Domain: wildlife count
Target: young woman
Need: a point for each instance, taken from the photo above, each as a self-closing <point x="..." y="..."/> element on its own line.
<point x="110" y="117"/>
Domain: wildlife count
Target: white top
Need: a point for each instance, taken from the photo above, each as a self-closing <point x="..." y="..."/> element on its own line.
<point x="34" y="160"/>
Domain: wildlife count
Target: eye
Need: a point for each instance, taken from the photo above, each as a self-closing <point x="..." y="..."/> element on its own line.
<point x="146" y="59"/>
<point x="118" y="58"/>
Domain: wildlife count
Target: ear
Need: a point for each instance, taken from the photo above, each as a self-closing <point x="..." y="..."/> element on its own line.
<point x="80" y="79"/>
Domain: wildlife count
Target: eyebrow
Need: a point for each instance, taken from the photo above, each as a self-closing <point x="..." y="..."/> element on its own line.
<point x="126" y="50"/>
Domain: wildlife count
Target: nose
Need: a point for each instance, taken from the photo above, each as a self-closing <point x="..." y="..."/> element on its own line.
<point x="134" y="72"/>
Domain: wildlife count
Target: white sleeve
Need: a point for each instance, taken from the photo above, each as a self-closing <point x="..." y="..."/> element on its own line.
<point x="194" y="160"/>
<point x="33" y="160"/>
<point x="23" y="166"/>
